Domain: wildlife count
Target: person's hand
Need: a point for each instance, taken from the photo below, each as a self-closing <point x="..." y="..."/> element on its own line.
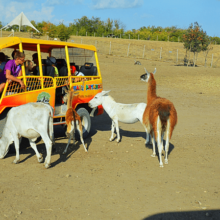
<point x="22" y="85"/>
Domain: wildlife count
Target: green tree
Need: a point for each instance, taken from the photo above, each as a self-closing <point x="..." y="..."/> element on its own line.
<point x="63" y="32"/>
<point x="195" y="40"/>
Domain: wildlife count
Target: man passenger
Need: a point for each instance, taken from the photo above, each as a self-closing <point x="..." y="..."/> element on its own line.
<point x="12" y="70"/>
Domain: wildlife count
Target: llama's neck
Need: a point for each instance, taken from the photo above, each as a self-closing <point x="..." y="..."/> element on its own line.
<point x="151" y="91"/>
<point x="69" y="100"/>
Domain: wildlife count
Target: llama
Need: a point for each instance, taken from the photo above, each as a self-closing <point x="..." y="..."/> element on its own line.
<point x="126" y="113"/>
<point x="159" y="117"/>
<point x="73" y="120"/>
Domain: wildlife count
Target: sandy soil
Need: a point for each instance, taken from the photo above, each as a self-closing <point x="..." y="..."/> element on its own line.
<point x="122" y="181"/>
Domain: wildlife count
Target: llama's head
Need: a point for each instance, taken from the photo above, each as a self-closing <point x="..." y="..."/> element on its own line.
<point x="145" y="77"/>
<point x="98" y="99"/>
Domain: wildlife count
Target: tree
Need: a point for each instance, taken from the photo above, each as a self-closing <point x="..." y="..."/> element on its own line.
<point x="63" y="32"/>
<point x="195" y="40"/>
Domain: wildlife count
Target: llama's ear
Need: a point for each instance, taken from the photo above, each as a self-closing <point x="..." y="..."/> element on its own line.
<point x="146" y="71"/>
<point x="155" y="70"/>
<point x="105" y="92"/>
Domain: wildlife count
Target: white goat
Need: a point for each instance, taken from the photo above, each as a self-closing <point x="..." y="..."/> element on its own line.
<point x="126" y="113"/>
<point x="31" y="121"/>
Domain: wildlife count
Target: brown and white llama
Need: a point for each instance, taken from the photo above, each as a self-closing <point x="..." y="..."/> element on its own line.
<point x="73" y="120"/>
<point x="160" y="116"/>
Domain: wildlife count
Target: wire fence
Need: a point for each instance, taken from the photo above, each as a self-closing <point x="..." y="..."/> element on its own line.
<point x="173" y="52"/>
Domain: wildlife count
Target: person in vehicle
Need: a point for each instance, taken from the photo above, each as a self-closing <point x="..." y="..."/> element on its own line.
<point x="76" y="73"/>
<point x="28" y="67"/>
<point x="53" y="61"/>
<point x="12" y="70"/>
<point x="35" y="60"/>
<point x="2" y="61"/>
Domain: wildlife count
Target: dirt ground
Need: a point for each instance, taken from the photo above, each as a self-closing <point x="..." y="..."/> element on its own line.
<point x="122" y="181"/>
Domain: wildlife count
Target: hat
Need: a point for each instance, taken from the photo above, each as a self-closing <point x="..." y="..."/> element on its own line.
<point x="52" y="60"/>
<point x="73" y="68"/>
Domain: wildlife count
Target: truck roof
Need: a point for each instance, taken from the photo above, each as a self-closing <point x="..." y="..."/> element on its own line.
<point x="46" y="45"/>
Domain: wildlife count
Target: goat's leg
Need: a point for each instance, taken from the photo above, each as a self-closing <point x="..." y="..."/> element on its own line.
<point x="113" y="130"/>
<point x="16" y="143"/>
<point x="48" y="144"/>
<point x="159" y="145"/>
<point x="79" y="127"/>
<point x="34" y="147"/>
<point x="117" y="129"/>
<point x="153" y="143"/>
<point x="167" y="142"/>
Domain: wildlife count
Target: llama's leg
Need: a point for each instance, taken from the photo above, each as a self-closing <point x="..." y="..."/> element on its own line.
<point x="34" y="147"/>
<point x="159" y="145"/>
<point x="64" y="152"/>
<point x="113" y="130"/>
<point x="167" y="141"/>
<point x="79" y="127"/>
<point x="147" y="136"/>
<point x="153" y="143"/>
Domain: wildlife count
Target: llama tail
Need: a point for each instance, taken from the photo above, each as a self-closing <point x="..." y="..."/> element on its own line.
<point x="164" y="113"/>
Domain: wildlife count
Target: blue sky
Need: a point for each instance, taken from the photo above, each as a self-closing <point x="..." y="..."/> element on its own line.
<point x="133" y="14"/>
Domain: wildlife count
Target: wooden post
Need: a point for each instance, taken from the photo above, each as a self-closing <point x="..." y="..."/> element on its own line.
<point x="129" y="36"/>
<point x="138" y="36"/>
<point x="160" y="53"/>
<point x="86" y="33"/>
<point x="81" y="40"/>
<point x="212" y="60"/>
<point x="177" y="56"/>
<point x="110" y="48"/>
<point x="128" y="49"/>
<point x="157" y="37"/>
<point x="143" y="51"/>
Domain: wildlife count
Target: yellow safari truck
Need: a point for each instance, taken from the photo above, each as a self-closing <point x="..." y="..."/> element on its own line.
<point x="43" y="86"/>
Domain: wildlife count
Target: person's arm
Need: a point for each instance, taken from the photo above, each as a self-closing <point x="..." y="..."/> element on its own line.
<point x="13" y="78"/>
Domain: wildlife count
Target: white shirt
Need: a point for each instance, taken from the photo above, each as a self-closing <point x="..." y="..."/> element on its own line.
<point x="79" y="74"/>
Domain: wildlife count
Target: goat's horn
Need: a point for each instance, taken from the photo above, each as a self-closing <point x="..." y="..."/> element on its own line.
<point x="155" y="70"/>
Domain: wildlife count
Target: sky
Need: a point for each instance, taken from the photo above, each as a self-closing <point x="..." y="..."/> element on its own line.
<point x="133" y="14"/>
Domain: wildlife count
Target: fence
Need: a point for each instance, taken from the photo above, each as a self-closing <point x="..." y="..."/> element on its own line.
<point x="173" y="52"/>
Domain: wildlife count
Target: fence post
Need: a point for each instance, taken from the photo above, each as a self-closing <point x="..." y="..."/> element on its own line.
<point x="86" y="33"/>
<point x="212" y="60"/>
<point x="81" y="40"/>
<point x="129" y="36"/>
<point x="143" y="51"/>
<point x="110" y="48"/>
<point x="138" y="36"/>
<point x="177" y="56"/>
<point x="94" y="34"/>
<point x="128" y="49"/>
<point x="160" y="53"/>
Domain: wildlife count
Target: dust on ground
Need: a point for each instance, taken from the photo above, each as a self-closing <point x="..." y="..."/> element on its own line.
<point x="122" y="181"/>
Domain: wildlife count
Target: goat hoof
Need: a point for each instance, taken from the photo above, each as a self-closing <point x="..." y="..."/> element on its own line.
<point x="47" y="165"/>
<point x="161" y="165"/>
<point x="166" y="161"/>
<point x="64" y="152"/>
<point x="40" y="159"/>
<point x="153" y="155"/>
<point x="16" y="161"/>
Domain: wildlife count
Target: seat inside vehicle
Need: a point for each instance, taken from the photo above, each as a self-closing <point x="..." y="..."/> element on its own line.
<point x="88" y="69"/>
<point x="62" y="67"/>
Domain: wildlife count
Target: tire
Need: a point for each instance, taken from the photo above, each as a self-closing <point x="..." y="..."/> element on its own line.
<point x="86" y="122"/>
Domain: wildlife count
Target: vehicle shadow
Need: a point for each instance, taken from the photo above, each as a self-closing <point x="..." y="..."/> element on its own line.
<point x="196" y="215"/>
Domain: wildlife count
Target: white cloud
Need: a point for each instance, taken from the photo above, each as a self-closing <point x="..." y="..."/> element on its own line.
<point x="100" y="4"/>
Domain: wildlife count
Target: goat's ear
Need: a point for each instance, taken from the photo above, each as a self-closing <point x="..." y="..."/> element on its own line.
<point x="155" y="70"/>
<point x="105" y="92"/>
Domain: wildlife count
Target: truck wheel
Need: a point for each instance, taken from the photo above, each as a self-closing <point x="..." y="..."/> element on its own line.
<point x="86" y="122"/>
